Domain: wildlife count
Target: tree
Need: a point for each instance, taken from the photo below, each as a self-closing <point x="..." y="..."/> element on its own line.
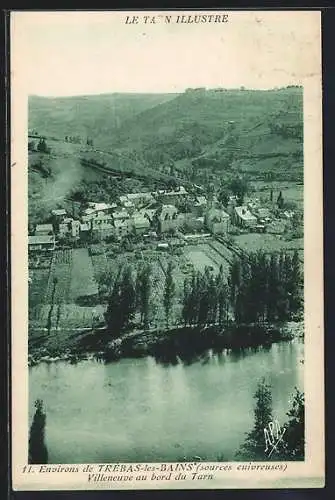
<point x="194" y="299"/>
<point x="186" y="308"/>
<point x="143" y="292"/>
<point x="212" y="292"/>
<point x="38" y="453"/>
<point x="121" y="303"/>
<point x="42" y="146"/>
<point x="280" y="200"/>
<point x="222" y="297"/>
<point x="294" y="442"/>
<point x="254" y="446"/>
<point x="223" y="196"/>
<point x="273" y="288"/>
<point x="239" y="188"/>
<point x="204" y="300"/>
<point x="235" y="280"/>
<point x="295" y="284"/>
<point x="128" y="297"/>
<point x="113" y="314"/>
<point x="169" y="292"/>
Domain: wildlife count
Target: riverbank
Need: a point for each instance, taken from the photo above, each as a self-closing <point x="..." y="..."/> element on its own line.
<point x="167" y="346"/>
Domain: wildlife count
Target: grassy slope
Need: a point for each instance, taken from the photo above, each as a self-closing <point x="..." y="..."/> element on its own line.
<point x="204" y="117"/>
<point x="212" y="109"/>
<point x="94" y="116"/>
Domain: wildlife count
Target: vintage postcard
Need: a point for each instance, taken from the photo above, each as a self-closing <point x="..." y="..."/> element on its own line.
<point x="167" y="260"/>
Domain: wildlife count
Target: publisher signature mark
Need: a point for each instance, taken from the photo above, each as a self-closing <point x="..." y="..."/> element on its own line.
<point x="273" y="435"/>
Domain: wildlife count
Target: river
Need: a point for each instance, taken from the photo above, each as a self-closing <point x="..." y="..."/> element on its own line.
<point x="137" y="410"/>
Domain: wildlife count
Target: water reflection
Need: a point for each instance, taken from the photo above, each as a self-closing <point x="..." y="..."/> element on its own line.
<point x="154" y="409"/>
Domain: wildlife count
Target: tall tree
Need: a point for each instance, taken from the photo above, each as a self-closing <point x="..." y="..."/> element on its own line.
<point x="169" y="292"/>
<point x="294" y="442"/>
<point x="295" y="282"/>
<point x="113" y="313"/>
<point x="273" y="285"/>
<point x="143" y="286"/>
<point x="42" y="146"/>
<point x="38" y="453"/>
<point x="128" y="297"/>
<point x="222" y="298"/>
<point x="186" y="306"/>
<point x="239" y="188"/>
<point x="235" y="280"/>
<point x="121" y="303"/>
<point x="280" y="200"/>
<point x="204" y="299"/>
<point x="254" y="446"/>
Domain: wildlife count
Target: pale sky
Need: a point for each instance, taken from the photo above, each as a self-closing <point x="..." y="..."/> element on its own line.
<point x="74" y="53"/>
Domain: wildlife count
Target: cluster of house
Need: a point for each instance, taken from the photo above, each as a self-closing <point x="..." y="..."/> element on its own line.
<point x="147" y="214"/>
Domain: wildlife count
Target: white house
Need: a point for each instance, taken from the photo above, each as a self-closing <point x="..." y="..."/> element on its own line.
<point x="244" y="218"/>
<point x="217" y="221"/>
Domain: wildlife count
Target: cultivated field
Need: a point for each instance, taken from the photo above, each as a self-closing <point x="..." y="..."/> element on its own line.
<point x="292" y="192"/>
<point x="254" y="242"/>
<point x="54" y="290"/>
<point x="200" y="259"/>
<point x="82" y="275"/>
<point x="69" y="316"/>
<point x="56" y="293"/>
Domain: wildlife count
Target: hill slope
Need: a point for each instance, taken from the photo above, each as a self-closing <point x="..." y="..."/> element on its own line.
<point x="96" y="116"/>
<point x="142" y="139"/>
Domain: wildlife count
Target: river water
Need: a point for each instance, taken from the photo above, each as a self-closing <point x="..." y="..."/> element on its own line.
<point x="139" y="410"/>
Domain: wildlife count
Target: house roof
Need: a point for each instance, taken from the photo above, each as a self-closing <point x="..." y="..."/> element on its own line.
<point x="120" y="223"/>
<point x="40" y="240"/>
<point x="44" y="227"/>
<point x="216" y="213"/>
<point x="245" y="213"/>
<point x="87" y="218"/>
<point x="169" y="209"/>
<point x="103" y="217"/>
<point x="141" y="222"/>
<point x="89" y="211"/>
<point x="122" y="214"/>
<point x="58" y="211"/>
<point x="134" y="196"/>
<point x="263" y="212"/>
<point x="101" y="206"/>
<point x="145" y="212"/>
<point x="201" y="200"/>
<point x="179" y="191"/>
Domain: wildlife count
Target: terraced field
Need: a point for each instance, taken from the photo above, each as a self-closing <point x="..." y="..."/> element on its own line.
<point x="82" y="275"/>
<point x="57" y="294"/>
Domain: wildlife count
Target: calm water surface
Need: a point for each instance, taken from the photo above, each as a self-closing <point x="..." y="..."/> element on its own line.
<point x="139" y="410"/>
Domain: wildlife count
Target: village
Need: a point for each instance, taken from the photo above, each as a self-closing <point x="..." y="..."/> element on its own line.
<point x="74" y="258"/>
<point x="164" y="217"/>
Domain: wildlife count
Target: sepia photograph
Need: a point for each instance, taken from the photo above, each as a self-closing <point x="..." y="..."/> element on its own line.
<point x="164" y="240"/>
